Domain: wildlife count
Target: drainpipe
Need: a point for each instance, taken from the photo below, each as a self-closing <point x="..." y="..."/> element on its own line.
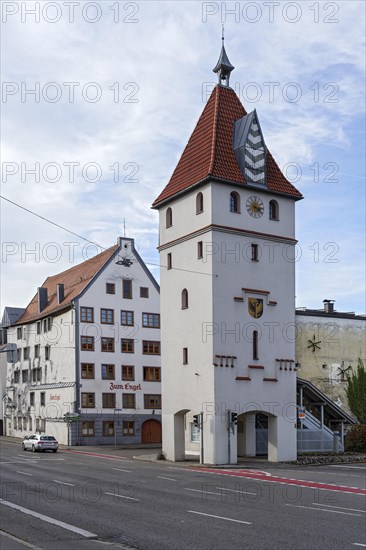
<point x="77" y="363"/>
<point x="322" y="416"/>
<point x="301" y="403"/>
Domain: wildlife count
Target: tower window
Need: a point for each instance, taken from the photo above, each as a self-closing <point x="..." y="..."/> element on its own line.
<point x="184" y="298"/>
<point x="235" y="202"/>
<point x="169" y="260"/>
<point x="273" y="210"/>
<point x="255" y="344"/>
<point x="185" y="356"/>
<point x="199" y="203"/>
<point x="200" y="249"/>
<point x="169" y="217"/>
<point x="254" y="250"/>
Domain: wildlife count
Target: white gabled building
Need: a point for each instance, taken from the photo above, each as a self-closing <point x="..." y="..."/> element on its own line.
<point x="89" y="344"/>
<point x="227" y="237"/>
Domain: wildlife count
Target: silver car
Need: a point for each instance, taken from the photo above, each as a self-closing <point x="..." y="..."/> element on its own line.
<point x="39" y="442"/>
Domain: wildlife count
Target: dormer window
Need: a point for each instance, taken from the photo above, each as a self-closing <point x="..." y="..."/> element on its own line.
<point x="273" y="210"/>
<point x="250" y="149"/>
<point x="169" y="217"/>
<point x="235" y="202"/>
<point x="199" y="203"/>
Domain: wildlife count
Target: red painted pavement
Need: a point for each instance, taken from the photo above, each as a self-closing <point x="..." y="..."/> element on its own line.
<point x="264" y="476"/>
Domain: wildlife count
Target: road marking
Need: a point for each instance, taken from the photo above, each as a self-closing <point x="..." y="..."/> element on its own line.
<point x="97" y="455"/>
<point x="175" y="468"/>
<point x="323" y="510"/>
<point x="27" y="544"/>
<point x="82" y="532"/>
<point x="287" y="481"/>
<point x="340" y="507"/>
<point x="122" y="496"/>
<point x="24" y="473"/>
<point x="346" y="466"/>
<point x="359" y="544"/>
<point x="219" y="517"/>
<point x="168" y="478"/>
<point x="63" y="483"/>
<point x="234" y="491"/>
<point x="202" y="492"/>
<point x="120" y="470"/>
<point x="28" y="460"/>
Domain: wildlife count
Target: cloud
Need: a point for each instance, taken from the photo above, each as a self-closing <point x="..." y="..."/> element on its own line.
<point x="163" y="62"/>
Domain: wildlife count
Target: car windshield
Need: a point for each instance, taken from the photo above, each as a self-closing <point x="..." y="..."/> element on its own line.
<point x="47" y="438"/>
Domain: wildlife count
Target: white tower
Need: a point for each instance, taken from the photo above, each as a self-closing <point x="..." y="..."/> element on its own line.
<point x="227" y="242"/>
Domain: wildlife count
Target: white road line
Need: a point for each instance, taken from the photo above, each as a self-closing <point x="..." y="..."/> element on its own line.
<point x="346" y="466"/>
<point x="63" y="483"/>
<point x="219" y="517"/>
<point x="323" y="510"/>
<point x="82" y="532"/>
<point x="340" y="507"/>
<point x="234" y="491"/>
<point x="168" y="478"/>
<point x="28" y="460"/>
<point x="202" y="492"/>
<point x="359" y="544"/>
<point x="122" y="496"/>
<point x="20" y="541"/>
<point x="120" y="470"/>
<point x="24" y="473"/>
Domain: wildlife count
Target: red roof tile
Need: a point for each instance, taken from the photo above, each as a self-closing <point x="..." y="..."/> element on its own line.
<point x="209" y="151"/>
<point x="74" y="280"/>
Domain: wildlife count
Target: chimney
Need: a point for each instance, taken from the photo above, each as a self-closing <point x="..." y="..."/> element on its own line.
<point x="328" y="306"/>
<point x="42" y="298"/>
<point x="60" y="292"/>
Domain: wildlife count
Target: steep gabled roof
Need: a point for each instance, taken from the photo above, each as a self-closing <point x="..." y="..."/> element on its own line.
<point x="209" y="151"/>
<point x="74" y="280"/>
<point x="11" y="315"/>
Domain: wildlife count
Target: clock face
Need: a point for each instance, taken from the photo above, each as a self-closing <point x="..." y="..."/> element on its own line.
<point x="255" y="207"/>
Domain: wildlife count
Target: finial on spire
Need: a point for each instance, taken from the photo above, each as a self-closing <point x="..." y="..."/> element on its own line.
<point x="223" y="67"/>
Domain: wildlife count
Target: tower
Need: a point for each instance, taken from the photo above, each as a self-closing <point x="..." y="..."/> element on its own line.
<point x="227" y="247"/>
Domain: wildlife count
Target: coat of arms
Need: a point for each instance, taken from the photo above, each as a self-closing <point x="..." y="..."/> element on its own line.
<point x="255" y="307"/>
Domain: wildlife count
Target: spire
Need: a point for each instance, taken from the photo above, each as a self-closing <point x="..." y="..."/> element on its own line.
<point x="223" y="67"/>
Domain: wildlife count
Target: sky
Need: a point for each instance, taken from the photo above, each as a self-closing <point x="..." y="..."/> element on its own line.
<point x="99" y="100"/>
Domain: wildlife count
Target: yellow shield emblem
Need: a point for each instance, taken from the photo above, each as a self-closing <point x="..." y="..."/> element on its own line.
<point x="255" y="307"/>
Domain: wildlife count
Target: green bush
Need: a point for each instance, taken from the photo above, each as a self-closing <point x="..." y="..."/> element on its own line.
<point x="356" y="439"/>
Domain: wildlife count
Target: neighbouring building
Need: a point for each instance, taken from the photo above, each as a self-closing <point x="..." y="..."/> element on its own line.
<point x="227" y="239"/>
<point x="10" y="316"/>
<point x="328" y="346"/>
<point x="88" y="347"/>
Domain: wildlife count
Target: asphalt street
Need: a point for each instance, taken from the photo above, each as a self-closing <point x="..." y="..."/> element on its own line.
<point x="92" y="499"/>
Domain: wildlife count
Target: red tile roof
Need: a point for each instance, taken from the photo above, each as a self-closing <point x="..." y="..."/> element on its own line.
<point x="74" y="280"/>
<point x="209" y="151"/>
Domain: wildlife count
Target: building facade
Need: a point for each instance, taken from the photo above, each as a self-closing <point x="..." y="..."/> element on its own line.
<point x="329" y="344"/>
<point x="227" y="240"/>
<point x="88" y="347"/>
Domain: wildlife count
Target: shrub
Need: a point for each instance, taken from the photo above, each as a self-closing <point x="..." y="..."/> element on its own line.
<point x="356" y="439"/>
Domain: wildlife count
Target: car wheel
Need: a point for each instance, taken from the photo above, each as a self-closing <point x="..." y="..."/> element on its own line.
<point x="54" y="450"/>
<point x="23" y="447"/>
<point x="33" y="448"/>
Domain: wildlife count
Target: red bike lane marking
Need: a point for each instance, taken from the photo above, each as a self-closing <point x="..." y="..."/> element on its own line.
<point x="110" y="457"/>
<point x="285" y="480"/>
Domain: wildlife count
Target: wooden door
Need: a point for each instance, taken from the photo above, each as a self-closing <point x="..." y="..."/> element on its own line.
<point x="151" y="432"/>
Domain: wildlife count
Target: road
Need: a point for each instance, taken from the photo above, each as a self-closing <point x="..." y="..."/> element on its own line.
<point x="78" y="500"/>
